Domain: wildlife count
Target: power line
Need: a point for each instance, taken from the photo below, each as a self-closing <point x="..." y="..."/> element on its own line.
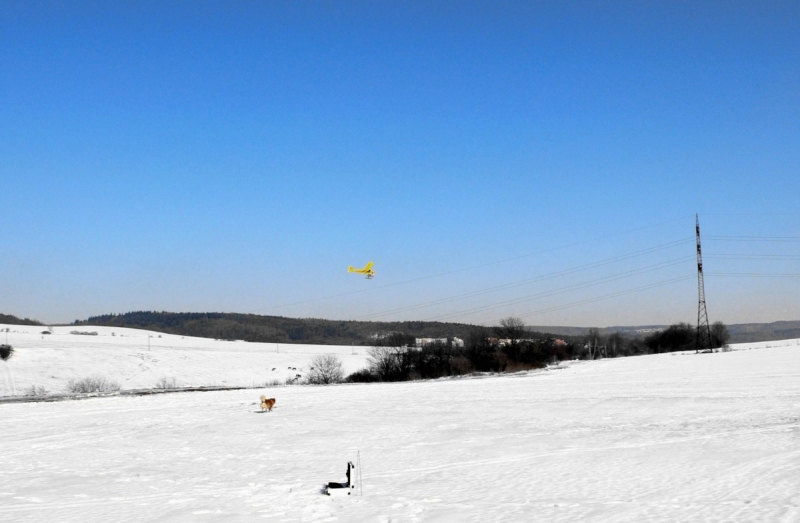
<point x="777" y="239"/>
<point x="751" y="214"/>
<point x="564" y="290"/>
<point x="569" y="288"/>
<point x="603" y="297"/>
<point x="606" y="279"/>
<point x="754" y="256"/>
<point x="469" y="268"/>
<point x="757" y="274"/>
<point x="776" y="257"/>
<point x="589" y="283"/>
<point x="529" y="281"/>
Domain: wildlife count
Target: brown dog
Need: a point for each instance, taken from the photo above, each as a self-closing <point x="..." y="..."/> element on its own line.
<point x="267" y="403"/>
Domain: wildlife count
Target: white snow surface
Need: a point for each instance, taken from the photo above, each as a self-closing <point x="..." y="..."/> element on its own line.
<point x="671" y="437"/>
<point x="139" y="359"/>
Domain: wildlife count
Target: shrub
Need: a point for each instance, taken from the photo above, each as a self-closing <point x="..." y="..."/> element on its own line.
<point x="518" y="366"/>
<point x="92" y="384"/>
<point x="6" y="351"/>
<point x="35" y="390"/>
<point x="167" y="383"/>
<point x="362" y="376"/>
<point x="274" y="382"/>
<point x="461" y="365"/>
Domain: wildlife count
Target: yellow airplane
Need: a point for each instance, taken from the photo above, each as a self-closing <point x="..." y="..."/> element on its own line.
<point x="366" y="270"/>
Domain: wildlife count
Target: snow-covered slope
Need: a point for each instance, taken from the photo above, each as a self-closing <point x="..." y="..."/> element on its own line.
<point x="138" y="359"/>
<point x="672" y="437"/>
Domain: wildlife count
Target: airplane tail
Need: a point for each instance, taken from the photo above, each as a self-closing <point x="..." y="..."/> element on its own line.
<point x="350" y="269"/>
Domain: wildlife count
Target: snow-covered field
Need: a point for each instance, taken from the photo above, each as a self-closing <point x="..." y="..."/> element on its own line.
<point x="138" y="359"/>
<point x="673" y="437"/>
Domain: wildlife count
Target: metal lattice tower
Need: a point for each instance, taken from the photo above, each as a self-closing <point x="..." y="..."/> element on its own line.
<point x="703" y="340"/>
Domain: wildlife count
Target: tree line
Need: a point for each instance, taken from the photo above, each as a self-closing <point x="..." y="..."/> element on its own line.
<point x="511" y="347"/>
<point x="13" y="320"/>
<point x="507" y="348"/>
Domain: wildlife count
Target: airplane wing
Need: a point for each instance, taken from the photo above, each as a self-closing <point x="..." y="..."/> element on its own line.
<point x="366" y="270"/>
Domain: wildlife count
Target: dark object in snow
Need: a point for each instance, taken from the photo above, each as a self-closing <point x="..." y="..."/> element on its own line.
<point x="343" y="489"/>
<point x="6" y="351"/>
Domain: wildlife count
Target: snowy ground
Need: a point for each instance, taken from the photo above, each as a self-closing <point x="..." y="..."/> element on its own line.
<point x="674" y="437"/>
<point x="138" y="359"/>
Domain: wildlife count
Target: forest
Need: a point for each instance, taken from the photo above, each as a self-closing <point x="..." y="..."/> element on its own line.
<point x="274" y="329"/>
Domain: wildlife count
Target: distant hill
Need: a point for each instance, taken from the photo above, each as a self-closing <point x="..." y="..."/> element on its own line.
<point x="275" y="329"/>
<point x="740" y="333"/>
<point x="13" y="320"/>
<point x="641" y="330"/>
<point x="278" y="329"/>
<point x="777" y="330"/>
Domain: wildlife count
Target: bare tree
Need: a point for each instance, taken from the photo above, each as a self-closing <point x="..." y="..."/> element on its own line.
<point x="512" y="329"/>
<point x="391" y="359"/>
<point x="593" y="341"/>
<point x="614" y="343"/>
<point x="325" y="369"/>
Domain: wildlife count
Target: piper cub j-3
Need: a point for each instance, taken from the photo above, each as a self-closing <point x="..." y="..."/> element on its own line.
<point x="367" y="270"/>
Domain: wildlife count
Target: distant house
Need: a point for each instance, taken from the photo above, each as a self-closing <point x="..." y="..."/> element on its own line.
<point x="457" y="342"/>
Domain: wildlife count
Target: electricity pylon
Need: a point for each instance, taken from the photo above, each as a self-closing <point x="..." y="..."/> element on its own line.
<point x="703" y="340"/>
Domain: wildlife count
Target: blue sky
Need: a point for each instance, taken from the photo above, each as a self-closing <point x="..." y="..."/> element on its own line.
<point x="535" y="159"/>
